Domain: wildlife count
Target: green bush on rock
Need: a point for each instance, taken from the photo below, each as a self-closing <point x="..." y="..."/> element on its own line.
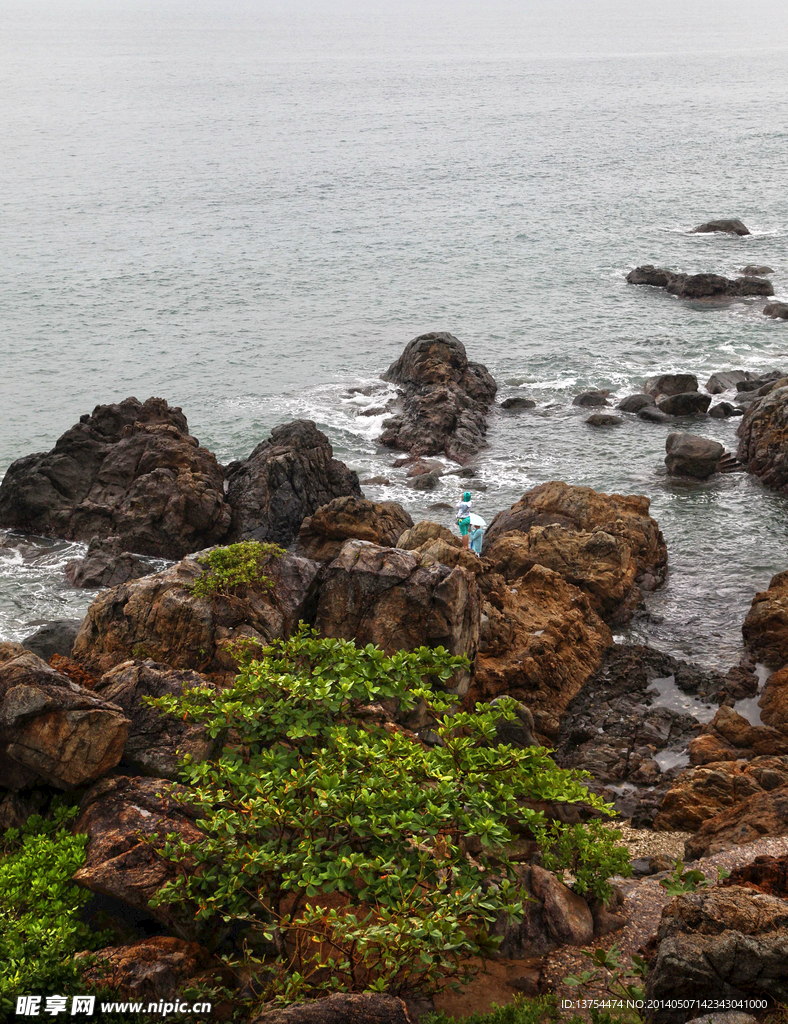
<point x="355" y="856"/>
<point x="228" y="568"/>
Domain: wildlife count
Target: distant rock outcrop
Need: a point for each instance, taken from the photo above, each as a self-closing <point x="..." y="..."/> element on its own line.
<point x="444" y="399"/>
<point x="730" y="227"/>
<point x="699" y="286"/>
<point x="776" y="310"/>
<point x="130" y="470"/>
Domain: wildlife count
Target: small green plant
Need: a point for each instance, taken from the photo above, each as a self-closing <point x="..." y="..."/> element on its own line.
<point x="228" y="569"/>
<point x="522" y="1010"/>
<point x="357" y="857"/>
<point x="683" y="880"/>
<point x="40" y="929"/>
<point x="620" y="982"/>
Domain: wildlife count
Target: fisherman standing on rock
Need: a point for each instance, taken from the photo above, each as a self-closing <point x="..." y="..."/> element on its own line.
<point x="471" y="526"/>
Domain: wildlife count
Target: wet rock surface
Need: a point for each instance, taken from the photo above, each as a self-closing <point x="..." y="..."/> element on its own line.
<point x="763" y="439"/>
<point x="158" y="617"/>
<point x="286" y="478"/>
<point x="322" y="534"/>
<point x="130" y="470"/>
<point x="444" y="399"/>
<point x="51" y="730"/>
<point x="670" y="384"/>
<point x="106" y="564"/>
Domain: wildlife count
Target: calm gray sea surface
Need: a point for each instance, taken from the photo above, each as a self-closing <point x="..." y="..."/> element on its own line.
<point x="246" y="208"/>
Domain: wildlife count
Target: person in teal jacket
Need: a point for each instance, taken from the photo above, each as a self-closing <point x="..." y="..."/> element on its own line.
<point x="464" y="518"/>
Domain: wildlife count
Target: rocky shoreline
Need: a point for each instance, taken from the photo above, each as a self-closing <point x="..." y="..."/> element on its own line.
<point x="677" y="748"/>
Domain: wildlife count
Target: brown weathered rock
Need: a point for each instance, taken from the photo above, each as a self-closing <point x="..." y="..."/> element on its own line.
<point x="730" y="736"/>
<point x="704" y="792"/>
<point x="541" y="641"/>
<point x="444" y="402"/>
<point x="286" y="478"/>
<point x="774" y="701"/>
<point x="156" y="741"/>
<point x="605" y="544"/>
<point x="765" y="874"/>
<point x="158" y="617"/>
<point x="721" y="943"/>
<point x="107" y="564"/>
<point x="568" y="916"/>
<point x="390" y="597"/>
<point x="118" y="815"/>
<point x="436" y="543"/>
<point x="152" y="970"/>
<point x="763" y="814"/>
<point x="322" y="535"/>
<point x="52" y="730"/>
<point x="765" y="628"/>
<point x="130" y="470"/>
<point x="763" y="439"/>
<point x="341" y="1008"/>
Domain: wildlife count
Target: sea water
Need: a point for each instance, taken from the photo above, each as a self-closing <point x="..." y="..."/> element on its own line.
<point x="248" y="208"/>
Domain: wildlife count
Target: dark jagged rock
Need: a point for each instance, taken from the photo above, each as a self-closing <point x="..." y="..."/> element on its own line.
<point x="776" y="310"/>
<point x="55" y="637"/>
<point x="130" y="470"/>
<point x="106" y="564"/>
<point x="51" y="730"/>
<point x="699" y="286"/>
<point x="591" y="399"/>
<point x="517" y="404"/>
<point x="284" y="480"/>
<point x="730" y="227"/>
<point x="444" y="399"/>
<point x="634" y="403"/>
<point x="763" y="439"/>
<point x="671" y="384"/>
<point x="690" y="455"/>
<point x="691" y="403"/>
<point x="322" y="535"/>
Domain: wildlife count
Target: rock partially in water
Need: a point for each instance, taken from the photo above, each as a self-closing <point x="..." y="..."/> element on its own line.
<point x="130" y="470"/>
<point x="286" y="478"/>
<point x="106" y="564"/>
<point x="765" y="628"/>
<point x="727" y="380"/>
<point x="700" y="286"/>
<point x="517" y="404"/>
<point x="322" y="534"/>
<point x="689" y="403"/>
<point x="763" y="439"/>
<point x="591" y="399"/>
<point x="724" y="942"/>
<point x="51" y="730"/>
<point x="444" y="402"/>
<point x="651" y="414"/>
<point x="723" y="410"/>
<point x="56" y="637"/>
<point x="730" y="736"/>
<point x="634" y="403"/>
<point x="693" y="456"/>
<point x="601" y="419"/>
<point x="776" y="310"/>
<point x="756" y="270"/>
<point x="732" y="226"/>
<point x="670" y="384"/>
<point x="159" y="617"/>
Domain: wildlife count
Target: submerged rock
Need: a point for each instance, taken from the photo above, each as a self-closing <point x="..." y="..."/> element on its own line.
<point x="517" y="404"/>
<point x="776" y="310"/>
<point x="690" y="455"/>
<point x="130" y="470"/>
<point x="591" y="399"/>
<point x="286" y="478"/>
<point x="756" y="270"/>
<point x="322" y="534"/>
<point x="601" y="419"/>
<point x="730" y="227"/>
<point x="444" y="399"/>
<point x="700" y="286"/>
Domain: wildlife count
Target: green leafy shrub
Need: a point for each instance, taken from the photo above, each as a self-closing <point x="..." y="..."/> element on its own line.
<point x="358" y="857"/>
<point x="40" y="928"/>
<point x="238" y="565"/>
<point x="689" y="879"/>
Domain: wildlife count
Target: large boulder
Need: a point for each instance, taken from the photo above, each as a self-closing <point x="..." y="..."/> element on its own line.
<point x="671" y="384"/>
<point x="444" y="399"/>
<point x="120" y="816"/>
<point x="156" y="741"/>
<point x="730" y="737"/>
<point x="706" y="791"/>
<point x="690" y="403"/>
<point x="436" y="543"/>
<point x="733" y="226"/>
<point x="763" y="439"/>
<point x="726" y="380"/>
<point x="130" y="470"/>
<point x="691" y="455"/>
<point x="725" y="942"/>
<point x="158" y="617"/>
<point x="541" y="642"/>
<point x="322" y="534"/>
<point x="765" y="628"/>
<point x="395" y="599"/>
<point x="284" y="480"/>
<point x="51" y="730"/>
<point x="761" y="815"/>
<point x="699" y="286"/>
<point x="776" y="310"/>
<point x="607" y="545"/>
<point x="106" y="564"/>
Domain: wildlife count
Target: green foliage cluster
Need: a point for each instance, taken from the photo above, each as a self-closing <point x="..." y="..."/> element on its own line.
<point x="357" y="857"/>
<point x="40" y="928"/>
<point x="623" y="982"/>
<point x="683" y="880"/>
<point x="228" y="569"/>
<point x="522" y="1010"/>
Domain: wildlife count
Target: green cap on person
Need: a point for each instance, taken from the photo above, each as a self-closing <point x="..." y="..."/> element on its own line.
<point x="466" y="496"/>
